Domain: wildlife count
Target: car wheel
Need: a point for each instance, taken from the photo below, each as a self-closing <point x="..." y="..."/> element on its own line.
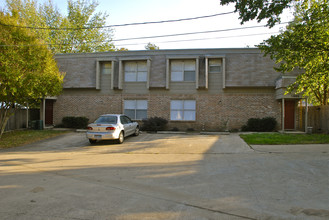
<point x="136" y="131"/>
<point x="92" y="141"/>
<point x="121" y="138"/>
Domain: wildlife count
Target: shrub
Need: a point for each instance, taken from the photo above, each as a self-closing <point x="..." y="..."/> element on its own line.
<point x="269" y="124"/>
<point x="234" y="130"/>
<point x="260" y="124"/>
<point x="154" y="124"/>
<point x="254" y="124"/>
<point x="244" y="128"/>
<point x="75" y="122"/>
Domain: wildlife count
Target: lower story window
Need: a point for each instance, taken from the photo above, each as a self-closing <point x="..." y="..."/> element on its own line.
<point x="182" y="110"/>
<point x="135" y="109"/>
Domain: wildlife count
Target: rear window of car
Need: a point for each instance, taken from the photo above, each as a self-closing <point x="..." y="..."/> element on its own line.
<point x="107" y="120"/>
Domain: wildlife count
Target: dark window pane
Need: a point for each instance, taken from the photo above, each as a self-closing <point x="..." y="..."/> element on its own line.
<point x="189" y="76"/>
<point x="107" y="120"/>
<point x="130" y="113"/>
<point x="141" y="114"/>
<point x="214" y="69"/>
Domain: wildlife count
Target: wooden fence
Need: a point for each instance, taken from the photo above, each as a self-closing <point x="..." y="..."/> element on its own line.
<point x="318" y="119"/>
<point x="18" y="120"/>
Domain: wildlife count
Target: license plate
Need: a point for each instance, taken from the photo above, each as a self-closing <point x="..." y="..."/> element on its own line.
<point x="98" y="136"/>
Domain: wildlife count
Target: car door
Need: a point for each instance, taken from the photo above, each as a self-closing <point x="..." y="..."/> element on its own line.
<point x="131" y="125"/>
<point x="126" y="125"/>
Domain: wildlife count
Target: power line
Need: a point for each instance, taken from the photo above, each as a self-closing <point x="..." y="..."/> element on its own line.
<point x="117" y="25"/>
<point x="191" y="33"/>
<point x="148" y="37"/>
<point x="177" y="20"/>
<point x="199" y="39"/>
<point x="173" y="41"/>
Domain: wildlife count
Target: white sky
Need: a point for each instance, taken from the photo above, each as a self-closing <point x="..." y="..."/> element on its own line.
<point x="132" y="11"/>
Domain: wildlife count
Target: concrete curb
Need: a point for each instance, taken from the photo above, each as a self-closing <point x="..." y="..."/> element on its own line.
<point x="63" y="129"/>
<point x="214" y="133"/>
<point x="293" y="148"/>
<point x="171" y="132"/>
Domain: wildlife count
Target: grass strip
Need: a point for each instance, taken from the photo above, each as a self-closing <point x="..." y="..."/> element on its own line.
<point x="22" y="137"/>
<point x="278" y="138"/>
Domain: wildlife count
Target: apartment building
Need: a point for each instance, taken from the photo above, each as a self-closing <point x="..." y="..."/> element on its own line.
<point x="199" y="89"/>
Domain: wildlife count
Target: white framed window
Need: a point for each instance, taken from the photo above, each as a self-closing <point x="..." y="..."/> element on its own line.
<point x="135" y="109"/>
<point x="182" y="110"/>
<point x="106" y="67"/>
<point x="135" y="71"/>
<point x="215" y="65"/>
<point x="183" y="70"/>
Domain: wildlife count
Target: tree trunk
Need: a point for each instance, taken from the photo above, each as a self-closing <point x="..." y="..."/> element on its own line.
<point x="4" y="119"/>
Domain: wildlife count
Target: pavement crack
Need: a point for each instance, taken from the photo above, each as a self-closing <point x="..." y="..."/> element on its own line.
<point x="218" y="211"/>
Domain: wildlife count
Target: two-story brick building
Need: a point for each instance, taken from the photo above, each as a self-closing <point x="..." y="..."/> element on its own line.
<point x="200" y="89"/>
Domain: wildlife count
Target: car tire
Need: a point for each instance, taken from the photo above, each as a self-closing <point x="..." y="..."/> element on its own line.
<point x="92" y="141"/>
<point x="136" y="131"/>
<point x="121" y="138"/>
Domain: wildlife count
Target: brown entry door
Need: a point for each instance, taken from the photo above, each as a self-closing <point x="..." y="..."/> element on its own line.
<point x="49" y="112"/>
<point x="289" y="114"/>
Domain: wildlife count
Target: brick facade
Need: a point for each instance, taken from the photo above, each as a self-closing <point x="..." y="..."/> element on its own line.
<point x="244" y="88"/>
<point x="213" y="112"/>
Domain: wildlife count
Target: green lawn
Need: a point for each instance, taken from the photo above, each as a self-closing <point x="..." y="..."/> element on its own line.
<point x="17" y="138"/>
<point x="278" y="138"/>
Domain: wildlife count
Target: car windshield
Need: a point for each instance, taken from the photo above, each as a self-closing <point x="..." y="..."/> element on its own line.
<point x="107" y="120"/>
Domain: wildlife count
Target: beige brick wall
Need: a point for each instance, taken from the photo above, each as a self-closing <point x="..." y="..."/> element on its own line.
<point x="249" y="91"/>
<point x="244" y="67"/>
<point x="213" y="112"/>
<point x="90" y="106"/>
<point x="250" y="70"/>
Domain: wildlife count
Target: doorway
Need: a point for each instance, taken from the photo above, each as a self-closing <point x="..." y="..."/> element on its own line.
<point x="289" y="114"/>
<point x="49" y="112"/>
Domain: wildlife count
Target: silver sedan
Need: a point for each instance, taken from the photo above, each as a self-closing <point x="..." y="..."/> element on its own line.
<point x="112" y="127"/>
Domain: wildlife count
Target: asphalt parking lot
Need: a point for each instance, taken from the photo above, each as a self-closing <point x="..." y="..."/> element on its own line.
<point x="163" y="176"/>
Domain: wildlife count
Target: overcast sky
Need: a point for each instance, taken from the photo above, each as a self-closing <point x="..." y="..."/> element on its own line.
<point x="132" y="11"/>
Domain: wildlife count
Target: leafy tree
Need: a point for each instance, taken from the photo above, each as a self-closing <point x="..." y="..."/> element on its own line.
<point x="121" y="49"/>
<point x="28" y="70"/>
<point x="151" y="46"/>
<point x="261" y="9"/>
<point x="305" y="45"/>
<point x="77" y="32"/>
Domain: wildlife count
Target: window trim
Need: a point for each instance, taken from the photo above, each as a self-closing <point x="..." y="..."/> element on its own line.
<point x="103" y="64"/>
<point x="135" y="109"/>
<point x="183" y="57"/>
<point x="132" y="59"/>
<point x="183" y="70"/>
<point x="216" y="65"/>
<point x="98" y="72"/>
<point x="136" y="72"/>
<point x="183" y="110"/>
<point x="207" y="68"/>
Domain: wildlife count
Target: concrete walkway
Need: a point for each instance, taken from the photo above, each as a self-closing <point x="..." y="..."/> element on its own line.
<point x="298" y="148"/>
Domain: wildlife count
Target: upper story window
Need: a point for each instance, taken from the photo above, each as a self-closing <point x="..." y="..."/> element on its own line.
<point x="215" y="65"/>
<point x="183" y="70"/>
<point x="135" y="71"/>
<point x="106" y="67"/>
